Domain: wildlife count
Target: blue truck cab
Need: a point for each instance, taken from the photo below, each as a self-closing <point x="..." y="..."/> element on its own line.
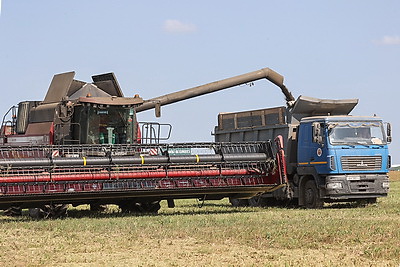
<point x="346" y="156"/>
<point x="330" y="155"/>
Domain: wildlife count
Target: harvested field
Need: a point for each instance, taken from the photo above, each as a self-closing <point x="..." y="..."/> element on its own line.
<point x="213" y="235"/>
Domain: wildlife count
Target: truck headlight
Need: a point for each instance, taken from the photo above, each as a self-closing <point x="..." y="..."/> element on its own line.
<point x="385" y="185"/>
<point x="332" y="163"/>
<point x="334" y="185"/>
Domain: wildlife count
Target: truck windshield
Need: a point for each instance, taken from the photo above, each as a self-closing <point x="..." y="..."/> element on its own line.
<point x="353" y="133"/>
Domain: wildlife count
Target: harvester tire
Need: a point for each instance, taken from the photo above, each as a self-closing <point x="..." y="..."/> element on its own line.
<point x="239" y="202"/>
<point x="51" y="211"/>
<point x="146" y="207"/>
<point x="129" y="206"/>
<point x="13" y="211"/>
<point x="36" y="213"/>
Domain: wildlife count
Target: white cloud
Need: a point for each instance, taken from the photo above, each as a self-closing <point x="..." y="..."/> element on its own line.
<point x="388" y="40"/>
<point x="176" y="26"/>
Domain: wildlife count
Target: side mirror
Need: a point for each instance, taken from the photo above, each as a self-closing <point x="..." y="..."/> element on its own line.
<point x="388" y="132"/>
<point x="317" y="133"/>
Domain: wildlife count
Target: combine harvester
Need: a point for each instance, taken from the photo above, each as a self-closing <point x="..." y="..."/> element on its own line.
<point x="84" y="145"/>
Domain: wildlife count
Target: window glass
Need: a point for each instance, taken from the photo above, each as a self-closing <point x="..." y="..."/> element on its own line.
<point x="365" y="133"/>
<point x="111" y="125"/>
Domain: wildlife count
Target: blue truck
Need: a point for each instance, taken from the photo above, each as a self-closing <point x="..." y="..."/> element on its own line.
<point x="331" y="156"/>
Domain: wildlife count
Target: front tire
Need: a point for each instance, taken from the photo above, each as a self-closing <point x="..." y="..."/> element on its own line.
<point x="311" y="196"/>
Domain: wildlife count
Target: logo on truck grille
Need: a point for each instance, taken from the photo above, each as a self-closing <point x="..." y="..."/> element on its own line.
<point x="362" y="164"/>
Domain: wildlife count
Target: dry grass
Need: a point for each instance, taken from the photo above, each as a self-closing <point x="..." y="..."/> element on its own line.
<point x="214" y="235"/>
<point x="394" y="176"/>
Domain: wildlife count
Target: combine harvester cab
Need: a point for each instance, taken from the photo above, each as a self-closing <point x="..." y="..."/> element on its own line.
<point x="74" y="112"/>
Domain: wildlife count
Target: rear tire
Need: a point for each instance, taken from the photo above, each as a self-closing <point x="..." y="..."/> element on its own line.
<point x="311" y="196"/>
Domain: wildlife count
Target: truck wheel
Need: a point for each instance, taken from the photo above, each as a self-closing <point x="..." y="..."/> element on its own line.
<point x="239" y="202"/>
<point x="311" y="196"/>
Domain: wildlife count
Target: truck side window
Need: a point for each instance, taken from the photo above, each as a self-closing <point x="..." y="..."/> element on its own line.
<point x="318" y="132"/>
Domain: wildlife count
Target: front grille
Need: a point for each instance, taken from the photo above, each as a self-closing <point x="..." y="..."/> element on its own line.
<point x="361" y="163"/>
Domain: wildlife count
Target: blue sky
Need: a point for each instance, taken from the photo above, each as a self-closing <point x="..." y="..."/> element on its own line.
<point x="324" y="49"/>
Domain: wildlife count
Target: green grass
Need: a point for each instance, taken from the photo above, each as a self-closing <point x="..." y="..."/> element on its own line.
<point x="215" y="234"/>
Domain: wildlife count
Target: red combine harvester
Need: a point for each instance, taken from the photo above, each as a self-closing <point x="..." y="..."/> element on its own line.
<point x="83" y="145"/>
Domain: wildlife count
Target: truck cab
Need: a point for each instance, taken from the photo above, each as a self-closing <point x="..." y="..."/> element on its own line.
<point x="346" y="156"/>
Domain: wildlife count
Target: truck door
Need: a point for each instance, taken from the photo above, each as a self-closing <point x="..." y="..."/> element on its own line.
<point x="303" y="153"/>
<point x="312" y="151"/>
